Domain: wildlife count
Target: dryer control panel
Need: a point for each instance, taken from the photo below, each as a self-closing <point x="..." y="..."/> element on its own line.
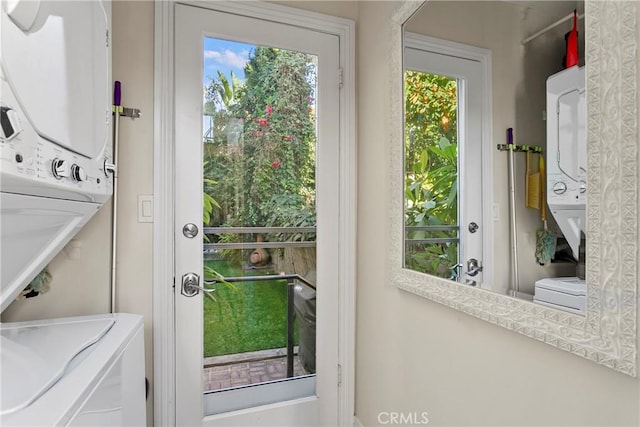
<point x="33" y="165"/>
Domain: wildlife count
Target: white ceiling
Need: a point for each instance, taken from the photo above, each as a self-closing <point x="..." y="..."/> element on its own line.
<point x="546" y="12"/>
<point x="552" y="8"/>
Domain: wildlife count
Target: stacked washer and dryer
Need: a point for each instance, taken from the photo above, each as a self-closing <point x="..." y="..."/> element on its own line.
<point x="55" y="174"/>
<point x="566" y="186"/>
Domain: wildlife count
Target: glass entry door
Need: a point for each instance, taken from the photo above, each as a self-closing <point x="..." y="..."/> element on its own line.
<point x="257" y="119"/>
<point x="444" y="222"/>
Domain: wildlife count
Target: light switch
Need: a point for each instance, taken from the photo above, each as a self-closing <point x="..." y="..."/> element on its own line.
<point x="145" y="208"/>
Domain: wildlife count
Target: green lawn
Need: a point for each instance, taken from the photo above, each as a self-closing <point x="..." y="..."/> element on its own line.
<point x="249" y="318"/>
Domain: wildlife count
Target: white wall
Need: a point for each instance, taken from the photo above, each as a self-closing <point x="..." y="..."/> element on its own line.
<point x="133" y="66"/>
<point x="414" y="355"/>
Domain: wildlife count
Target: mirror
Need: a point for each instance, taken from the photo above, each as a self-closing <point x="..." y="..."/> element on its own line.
<point x="606" y="332"/>
<point x="458" y="210"/>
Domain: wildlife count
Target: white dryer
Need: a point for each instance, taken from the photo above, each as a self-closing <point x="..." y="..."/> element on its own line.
<point x="55" y="129"/>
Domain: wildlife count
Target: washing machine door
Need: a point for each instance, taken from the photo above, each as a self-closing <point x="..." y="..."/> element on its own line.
<point x="63" y="83"/>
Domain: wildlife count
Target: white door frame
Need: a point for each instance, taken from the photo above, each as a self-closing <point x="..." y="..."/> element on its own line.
<point x="483" y="56"/>
<point x="163" y="228"/>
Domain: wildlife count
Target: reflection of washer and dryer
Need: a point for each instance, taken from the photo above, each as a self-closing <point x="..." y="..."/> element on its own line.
<point x="55" y="173"/>
<point x="566" y="180"/>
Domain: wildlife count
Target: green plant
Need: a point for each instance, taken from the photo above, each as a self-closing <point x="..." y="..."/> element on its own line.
<point x="291" y="210"/>
<point x="208" y="202"/>
<point x="431" y="176"/>
<point x="431" y="110"/>
<point x="275" y="155"/>
<point x="210" y="274"/>
<point x="259" y="155"/>
<point x="431" y="199"/>
<point x="221" y="93"/>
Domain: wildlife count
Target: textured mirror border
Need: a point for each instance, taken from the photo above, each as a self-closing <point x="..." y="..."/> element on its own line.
<point x="608" y="333"/>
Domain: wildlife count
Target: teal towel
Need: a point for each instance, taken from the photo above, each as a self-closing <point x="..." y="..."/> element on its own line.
<point x="545" y="246"/>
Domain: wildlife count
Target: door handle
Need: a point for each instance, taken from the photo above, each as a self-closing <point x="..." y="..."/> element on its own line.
<point x="472" y="267"/>
<point x="191" y="285"/>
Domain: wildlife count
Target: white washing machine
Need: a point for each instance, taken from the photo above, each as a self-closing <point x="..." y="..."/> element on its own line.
<point x="563" y="293"/>
<point x="82" y="371"/>
<point x="55" y="173"/>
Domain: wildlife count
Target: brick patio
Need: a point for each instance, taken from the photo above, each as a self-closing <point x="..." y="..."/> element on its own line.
<point x="235" y="370"/>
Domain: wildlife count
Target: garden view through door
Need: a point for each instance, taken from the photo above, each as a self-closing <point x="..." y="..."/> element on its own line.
<point x="443" y="159"/>
<point x="259" y="214"/>
<point x="257" y="131"/>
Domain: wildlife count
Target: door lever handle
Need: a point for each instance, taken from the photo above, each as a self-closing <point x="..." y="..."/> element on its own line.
<point x="201" y="289"/>
<point x="191" y="285"/>
<point x="474" y="271"/>
<point x="473" y="268"/>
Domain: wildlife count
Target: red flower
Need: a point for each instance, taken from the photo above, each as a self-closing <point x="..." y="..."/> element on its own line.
<point x="288" y="137"/>
<point x="269" y="110"/>
<point x="275" y="164"/>
<point x="263" y="122"/>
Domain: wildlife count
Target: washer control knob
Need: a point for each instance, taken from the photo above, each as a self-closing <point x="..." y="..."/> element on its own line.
<point x="559" y="187"/>
<point x="78" y="173"/>
<point x="60" y="168"/>
<point x="109" y="168"/>
<point x="583" y="187"/>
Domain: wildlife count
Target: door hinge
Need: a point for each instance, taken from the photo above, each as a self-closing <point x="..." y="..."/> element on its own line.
<point x="340" y="78"/>
<point x="339" y="375"/>
<point x="107" y="38"/>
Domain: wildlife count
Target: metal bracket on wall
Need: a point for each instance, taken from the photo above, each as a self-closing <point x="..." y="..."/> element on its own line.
<point x="134" y="113"/>
<point x="519" y="148"/>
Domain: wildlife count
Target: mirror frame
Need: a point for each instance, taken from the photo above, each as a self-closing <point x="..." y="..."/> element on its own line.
<point x="607" y="334"/>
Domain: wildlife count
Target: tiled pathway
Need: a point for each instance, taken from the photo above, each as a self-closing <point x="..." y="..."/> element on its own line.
<point x="247" y="368"/>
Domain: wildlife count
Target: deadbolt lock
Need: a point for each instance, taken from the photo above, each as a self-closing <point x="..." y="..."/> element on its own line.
<point x="190" y="230"/>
